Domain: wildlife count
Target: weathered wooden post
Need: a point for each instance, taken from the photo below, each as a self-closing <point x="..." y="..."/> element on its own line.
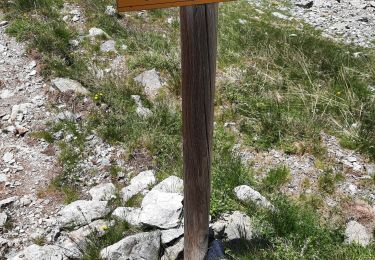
<point x="199" y="48"/>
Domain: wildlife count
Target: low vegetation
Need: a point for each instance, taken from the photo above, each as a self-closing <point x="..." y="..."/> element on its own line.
<point x="279" y="85"/>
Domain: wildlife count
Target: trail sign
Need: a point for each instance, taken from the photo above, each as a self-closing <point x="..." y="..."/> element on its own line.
<point x="134" y="5"/>
<point x="198" y="51"/>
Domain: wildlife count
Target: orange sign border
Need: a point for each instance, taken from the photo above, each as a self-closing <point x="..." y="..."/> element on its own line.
<point x="123" y="7"/>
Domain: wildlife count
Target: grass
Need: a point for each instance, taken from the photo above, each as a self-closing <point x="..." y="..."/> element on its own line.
<point x="113" y="234"/>
<point x="328" y="180"/>
<point x="276" y="178"/>
<point x="280" y="91"/>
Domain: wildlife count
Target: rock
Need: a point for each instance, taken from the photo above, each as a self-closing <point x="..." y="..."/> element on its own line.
<point x="110" y="10"/>
<point x="139" y="246"/>
<point x="65" y="85"/>
<point x="141" y="110"/>
<point x="3" y="23"/>
<point x="161" y="209"/>
<point x="103" y="192"/>
<point x="3" y="178"/>
<point x="96" y="32"/>
<point x="76" y="241"/>
<point x="247" y="194"/>
<point x="108" y="46"/>
<point x="233" y="226"/>
<point x="66" y="115"/>
<point x="172" y="184"/>
<point x="140" y="182"/>
<point x="168" y="236"/>
<point x="128" y="214"/>
<point x="356" y="233"/>
<point x="18" y="111"/>
<point x="3" y="219"/>
<point x="34" y="252"/>
<point x="151" y="82"/>
<point x="6" y="93"/>
<point x="8" y="157"/>
<point x="8" y="201"/>
<point x="82" y="212"/>
<point x="174" y="252"/>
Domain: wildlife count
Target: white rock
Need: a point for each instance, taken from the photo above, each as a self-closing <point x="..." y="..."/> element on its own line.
<point x="168" y="236"/>
<point x="172" y="184"/>
<point x="139" y="246"/>
<point x="6" y="93"/>
<point x="18" y="111"/>
<point x="3" y="23"/>
<point x="96" y="32"/>
<point x="110" y="10"/>
<point x="82" y="212"/>
<point x="357" y="233"/>
<point x="3" y="178"/>
<point x="151" y="82"/>
<point x="3" y="219"/>
<point x="8" y="157"/>
<point x="108" y="46"/>
<point x="141" y="110"/>
<point x="139" y="183"/>
<point x="103" y="192"/>
<point x="128" y="214"/>
<point x="35" y="252"/>
<point x="8" y="201"/>
<point x="65" y="85"/>
<point x="234" y="226"/>
<point x="248" y="194"/>
<point x="161" y="209"/>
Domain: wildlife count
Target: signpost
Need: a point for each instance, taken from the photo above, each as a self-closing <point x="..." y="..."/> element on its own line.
<point x="199" y="49"/>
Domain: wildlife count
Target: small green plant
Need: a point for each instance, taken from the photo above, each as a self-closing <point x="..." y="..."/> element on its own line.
<point x="135" y="201"/>
<point x="328" y="180"/>
<point x="112" y="235"/>
<point x="40" y="241"/>
<point x="276" y="178"/>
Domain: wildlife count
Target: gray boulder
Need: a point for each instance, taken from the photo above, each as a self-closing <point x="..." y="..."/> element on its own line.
<point x="162" y="210"/>
<point x="97" y="32"/>
<point x="82" y="212"/>
<point x="108" y="46"/>
<point x="35" y="252"/>
<point x="151" y="82"/>
<point x="233" y="226"/>
<point x="65" y="85"/>
<point x="172" y="184"/>
<point x="139" y="246"/>
<point x="247" y="194"/>
<point x="128" y="214"/>
<point x="357" y="233"/>
<point x="168" y="236"/>
<point x="103" y="192"/>
<point x="139" y="183"/>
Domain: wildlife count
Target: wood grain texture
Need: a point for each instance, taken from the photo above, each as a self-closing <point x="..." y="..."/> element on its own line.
<point x="136" y="5"/>
<point x="199" y="51"/>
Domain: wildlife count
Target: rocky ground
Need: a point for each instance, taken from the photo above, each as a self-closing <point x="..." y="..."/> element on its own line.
<point x="28" y="165"/>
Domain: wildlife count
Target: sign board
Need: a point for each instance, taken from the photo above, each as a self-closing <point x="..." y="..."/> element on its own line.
<point x="136" y="5"/>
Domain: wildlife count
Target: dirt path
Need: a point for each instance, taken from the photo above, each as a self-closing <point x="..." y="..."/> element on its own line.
<point x="25" y="168"/>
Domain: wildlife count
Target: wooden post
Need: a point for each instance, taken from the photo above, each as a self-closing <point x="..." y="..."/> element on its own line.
<point x="199" y="51"/>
